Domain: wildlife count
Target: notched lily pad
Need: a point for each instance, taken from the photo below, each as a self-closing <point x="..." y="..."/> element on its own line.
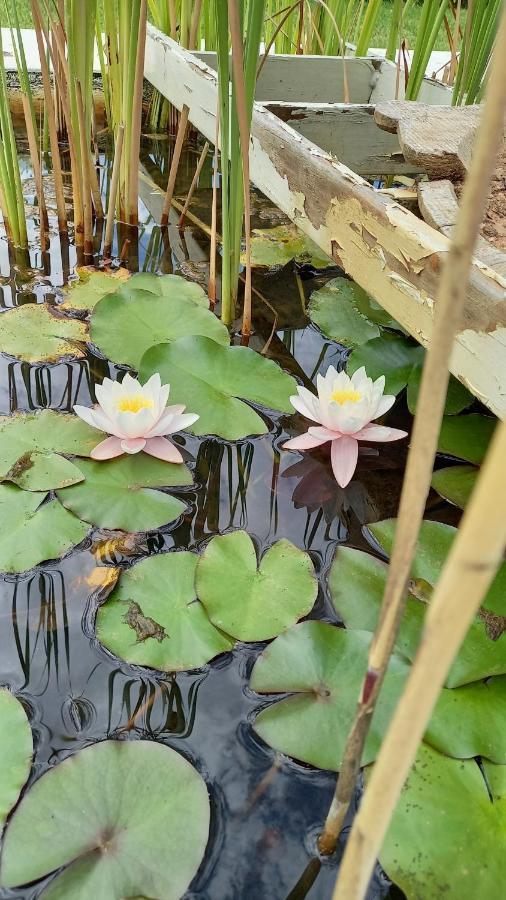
<point x="16" y="750"/>
<point x="153" y="617"/>
<point x="93" y="284"/>
<point x="254" y="602"/>
<point x="170" y="286"/>
<point x="346" y="314"/>
<point x="115" y="815"/>
<point x="455" y="483"/>
<point x="32" y="333"/>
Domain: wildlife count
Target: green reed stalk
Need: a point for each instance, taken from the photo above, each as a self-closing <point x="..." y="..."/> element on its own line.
<point x="433" y="13"/>
<point x="11" y="191"/>
<point x="367" y="27"/>
<point x="479" y="37"/>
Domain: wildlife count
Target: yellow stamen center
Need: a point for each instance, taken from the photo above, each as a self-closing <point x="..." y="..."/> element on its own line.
<point x="349" y="396"/>
<point x="134" y="403"/>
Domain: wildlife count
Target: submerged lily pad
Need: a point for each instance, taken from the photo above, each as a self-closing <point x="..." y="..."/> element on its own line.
<point x="447" y="837"/>
<point x="467" y="437"/>
<point x="275" y="247"/>
<point x="209" y="379"/>
<point x="126" y="818"/>
<point x="249" y="601"/>
<point x="456" y="483"/>
<point x="32" y="333"/>
<point x="16" y="750"/>
<point x="127" y="323"/>
<point x="119" y="494"/>
<point x="92" y="286"/>
<point x="30" y="446"/>
<point x="346" y="314"/>
<point x="153" y="617"/>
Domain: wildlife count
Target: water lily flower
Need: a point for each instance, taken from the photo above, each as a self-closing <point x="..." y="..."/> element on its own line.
<point x="344" y="410"/>
<point x="137" y="418"/>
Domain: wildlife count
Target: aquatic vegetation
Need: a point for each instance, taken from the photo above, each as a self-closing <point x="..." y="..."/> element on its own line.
<point x="31" y="332"/>
<point x="90" y="286"/>
<point x="16" y="749"/>
<point x="348" y="315"/>
<point x="344" y="409"/>
<point x="465" y="438"/>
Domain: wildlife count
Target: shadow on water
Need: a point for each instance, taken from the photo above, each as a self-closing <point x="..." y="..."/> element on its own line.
<point x="266" y="809"/>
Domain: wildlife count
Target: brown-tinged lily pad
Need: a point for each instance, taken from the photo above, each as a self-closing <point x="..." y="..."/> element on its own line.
<point x="30" y="332"/>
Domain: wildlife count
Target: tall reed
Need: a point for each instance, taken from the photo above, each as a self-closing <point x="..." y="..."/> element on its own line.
<point x="11" y="192"/>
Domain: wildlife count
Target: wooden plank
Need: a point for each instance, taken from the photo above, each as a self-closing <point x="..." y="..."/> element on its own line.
<point x="386" y="249"/>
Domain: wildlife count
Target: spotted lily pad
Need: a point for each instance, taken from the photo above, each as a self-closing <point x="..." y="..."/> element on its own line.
<point x="209" y="379"/>
<point x="15" y="752"/>
<point x="30" y="332"/>
<point x="30" y="448"/>
<point x="455" y="483"/>
<point x="447" y="837"/>
<point x="125" y="819"/>
<point x="119" y="494"/>
<point x="93" y="284"/>
<point x="346" y="314"/>
<point x="125" y="324"/>
<point x="275" y="247"/>
<point x="153" y="617"/>
<point x="33" y="531"/>
<point x="249" y="601"/>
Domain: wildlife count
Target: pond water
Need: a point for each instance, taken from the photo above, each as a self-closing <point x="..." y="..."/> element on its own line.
<point x="266" y="809"/>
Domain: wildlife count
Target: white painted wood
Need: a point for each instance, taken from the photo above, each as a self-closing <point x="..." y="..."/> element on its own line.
<point x="393" y="255"/>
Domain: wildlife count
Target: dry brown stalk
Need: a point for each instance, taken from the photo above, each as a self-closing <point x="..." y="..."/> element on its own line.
<point x="430" y="406"/>
<point x="195" y="25"/>
<point x="195" y="181"/>
<point x="87" y="210"/>
<point x="37" y="171"/>
<point x="174" y="166"/>
<point x="113" y="192"/>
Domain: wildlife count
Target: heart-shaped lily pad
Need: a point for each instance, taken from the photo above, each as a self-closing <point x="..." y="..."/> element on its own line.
<point x="119" y="494"/>
<point x="126" y="818"/>
<point x="249" y="601"/>
<point x="93" y="284"/>
<point x="32" y="333"/>
<point x="170" y="286"/>
<point x="153" y="617"/>
<point x="447" y="837"/>
<point x="455" y="483"/>
<point x="125" y="324"/>
<point x="466" y="437"/>
<point x="16" y="750"/>
<point x="33" y="531"/>
<point x="30" y="446"/>
<point x="209" y="379"/>
<point x="346" y="314"/>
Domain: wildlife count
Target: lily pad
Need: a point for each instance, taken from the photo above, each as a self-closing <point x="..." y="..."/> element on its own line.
<point x="346" y="314"/>
<point x="16" y="750"/>
<point x="458" y="397"/>
<point x="447" y="837"/>
<point x="456" y="483"/>
<point x="32" y="333"/>
<point x="275" y="247"/>
<point x="209" y="379"/>
<point x="170" y="286"/>
<point x="93" y="284"/>
<point x="357" y="581"/>
<point x="30" y="446"/>
<point x="127" y="323"/>
<point x="119" y="494"/>
<point x="153" y="617"/>
<point x="249" y="601"/>
<point x="119" y="815"/>
<point x="33" y="531"/>
<point x="391" y="355"/>
<point x="466" y="437"/>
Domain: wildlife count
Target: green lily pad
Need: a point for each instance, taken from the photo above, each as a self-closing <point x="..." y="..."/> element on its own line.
<point x="467" y="437"/>
<point x="456" y="483"/>
<point x="91" y="287"/>
<point x="32" y="333"/>
<point x="447" y="837"/>
<point x="96" y="814"/>
<point x="357" y="581"/>
<point x="209" y="379"/>
<point x="457" y="397"/>
<point x="153" y="617"/>
<point x="119" y="494"/>
<point x="30" y="446"/>
<point x="249" y="601"/>
<point x="170" y="286"/>
<point x="16" y="750"/>
<point x="127" y="323"/>
<point x="275" y="247"/>
<point x="32" y="531"/>
<point x="391" y="355"/>
<point x="346" y="314"/>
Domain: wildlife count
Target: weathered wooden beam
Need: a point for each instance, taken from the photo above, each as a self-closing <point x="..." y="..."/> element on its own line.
<point x="393" y="255"/>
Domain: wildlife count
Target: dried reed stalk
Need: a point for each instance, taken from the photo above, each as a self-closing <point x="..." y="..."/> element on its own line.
<point x="195" y="25"/>
<point x="174" y="166"/>
<point x="87" y="210"/>
<point x="37" y="170"/>
<point x="195" y="181"/>
<point x="430" y="407"/>
<point x="113" y="192"/>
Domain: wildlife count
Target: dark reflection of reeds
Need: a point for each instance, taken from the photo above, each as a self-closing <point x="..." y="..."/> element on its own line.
<point x="151" y="706"/>
<point x="47" y="626"/>
<point x="58" y="386"/>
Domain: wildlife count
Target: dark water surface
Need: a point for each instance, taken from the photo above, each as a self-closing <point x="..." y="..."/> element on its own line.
<point x="266" y="809"/>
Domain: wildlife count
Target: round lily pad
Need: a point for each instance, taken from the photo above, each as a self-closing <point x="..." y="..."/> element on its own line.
<point x="93" y="284"/>
<point x="457" y="398"/>
<point x="391" y="355"/>
<point x="209" y="378"/>
<point x="33" y="531"/>
<point x="275" y="247"/>
<point x="16" y="750"/>
<point x="153" y="617"/>
<point x="32" y="333"/>
<point x="119" y="494"/>
<point x="126" y="819"/>
<point x="466" y="437"/>
<point x="127" y="323"/>
<point x="170" y="286"/>
<point x="249" y="601"/>
<point x="455" y="483"/>
<point x="345" y="313"/>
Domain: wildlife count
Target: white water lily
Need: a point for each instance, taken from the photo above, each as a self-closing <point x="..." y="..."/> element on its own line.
<point x="137" y="418"/>
<point x="344" y="410"/>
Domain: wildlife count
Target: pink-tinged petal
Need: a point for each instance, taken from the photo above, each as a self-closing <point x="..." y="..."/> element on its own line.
<point x="163" y="449"/>
<point x="306" y="403"/>
<point x="384" y="404"/>
<point x="379" y="433"/>
<point x="88" y="415"/>
<point x="304" y="442"/>
<point x="97" y="418"/>
<point x="344" y="455"/>
<point x="324" y="434"/>
<point x="133" y="445"/>
<point x="108" y="449"/>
